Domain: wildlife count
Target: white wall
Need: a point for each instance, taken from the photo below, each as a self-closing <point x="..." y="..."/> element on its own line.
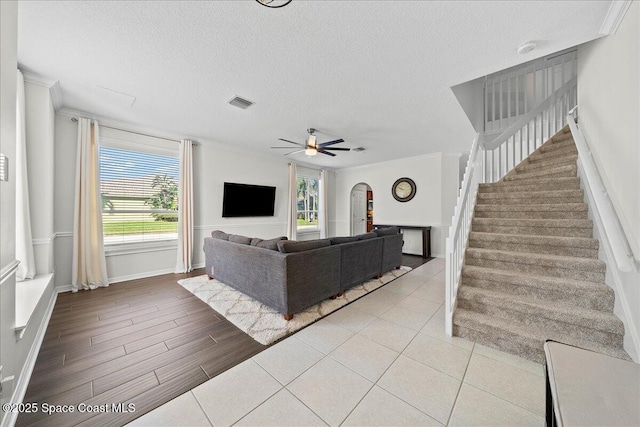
<point x="40" y="121"/>
<point x="8" y="65"/>
<point x="212" y="167"/>
<point x="609" y="115"/>
<point x="14" y="352"/>
<point x="436" y="178"/>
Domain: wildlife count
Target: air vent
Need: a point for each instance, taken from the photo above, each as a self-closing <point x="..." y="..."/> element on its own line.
<point x="358" y="149"/>
<point x="241" y="103"/>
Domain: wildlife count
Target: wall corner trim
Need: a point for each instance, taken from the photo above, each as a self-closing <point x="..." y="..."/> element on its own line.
<point x="614" y="16"/>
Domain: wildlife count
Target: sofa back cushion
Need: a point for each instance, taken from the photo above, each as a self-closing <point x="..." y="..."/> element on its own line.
<point x="236" y="238"/>
<point x="387" y="231"/>
<point x="365" y="236"/>
<point x="291" y="246"/>
<point x="267" y="244"/>
<point x="341" y="240"/>
<point x="218" y="234"/>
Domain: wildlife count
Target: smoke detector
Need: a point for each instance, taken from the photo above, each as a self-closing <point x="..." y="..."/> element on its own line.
<point x="358" y="149"/>
<point x="526" y="47"/>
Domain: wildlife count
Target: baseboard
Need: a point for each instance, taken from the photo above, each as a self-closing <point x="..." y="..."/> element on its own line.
<point x="64" y="288"/>
<point x="27" y="369"/>
<point x="140" y="275"/>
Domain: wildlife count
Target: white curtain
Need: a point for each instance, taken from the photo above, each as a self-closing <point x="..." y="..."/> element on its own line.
<point x="185" y="209"/>
<point x="292" y="220"/>
<point x="323" y="223"/>
<point x="24" y="242"/>
<point x="89" y="268"/>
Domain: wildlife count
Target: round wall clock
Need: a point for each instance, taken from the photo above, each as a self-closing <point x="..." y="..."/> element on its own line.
<point x="403" y="190"/>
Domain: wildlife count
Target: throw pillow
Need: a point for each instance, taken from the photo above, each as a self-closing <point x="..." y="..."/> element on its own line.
<point x="387" y="231"/>
<point x="271" y="244"/>
<point x="236" y="238"/>
<point x="255" y="241"/>
<point x="217" y="234"/>
<point x="340" y="240"/>
<point x="365" y="236"/>
<point x="291" y="246"/>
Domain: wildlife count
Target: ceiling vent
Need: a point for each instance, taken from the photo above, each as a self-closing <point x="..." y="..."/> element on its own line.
<point x="358" y="149"/>
<point x="241" y="103"/>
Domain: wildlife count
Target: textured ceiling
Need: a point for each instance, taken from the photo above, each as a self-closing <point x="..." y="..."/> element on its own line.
<point x="376" y="73"/>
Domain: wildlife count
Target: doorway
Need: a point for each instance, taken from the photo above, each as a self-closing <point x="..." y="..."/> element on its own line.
<point x="361" y="209"/>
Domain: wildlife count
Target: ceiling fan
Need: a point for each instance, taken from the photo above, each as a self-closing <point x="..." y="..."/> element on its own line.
<point x="311" y="146"/>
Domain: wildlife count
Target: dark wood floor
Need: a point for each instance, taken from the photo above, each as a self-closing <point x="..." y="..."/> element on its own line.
<point x="144" y="342"/>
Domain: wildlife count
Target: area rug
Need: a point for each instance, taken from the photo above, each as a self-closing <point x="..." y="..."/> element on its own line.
<point x="263" y="323"/>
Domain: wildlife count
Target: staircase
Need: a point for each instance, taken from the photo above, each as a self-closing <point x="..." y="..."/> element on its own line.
<point x="531" y="270"/>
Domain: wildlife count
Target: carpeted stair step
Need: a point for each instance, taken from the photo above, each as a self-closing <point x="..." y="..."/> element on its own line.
<point x="553" y="147"/>
<point x="556" y="151"/>
<point x="570" y="183"/>
<point x="531" y="197"/>
<point x="520" y="340"/>
<point x="560" y="171"/>
<point x="590" y="295"/>
<point x="548" y="163"/>
<point x="551" y="245"/>
<point x="560" y="137"/>
<point x="587" y="269"/>
<point x="548" y="211"/>
<point x="583" y="323"/>
<point x="537" y="227"/>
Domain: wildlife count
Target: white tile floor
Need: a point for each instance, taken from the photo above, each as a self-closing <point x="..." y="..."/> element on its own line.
<point x="381" y="361"/>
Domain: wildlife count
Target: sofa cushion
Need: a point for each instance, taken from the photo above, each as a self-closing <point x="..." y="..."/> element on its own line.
<point x="236" y="238"/>
<point x="269" y="244"/>
<point x="217" y="234"/>
<point x="340" y="240"/>
<point x="365" y="236"/>
<point x="255" y="241"/>
<point x="387" y="231"/>
<point x="291" y="246"/>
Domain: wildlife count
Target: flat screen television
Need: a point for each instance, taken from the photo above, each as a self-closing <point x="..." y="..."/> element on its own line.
<point x="248" y="200"/>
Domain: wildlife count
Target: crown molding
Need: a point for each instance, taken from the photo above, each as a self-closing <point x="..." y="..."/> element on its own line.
<point x="51" y="84"/>
<point x="614" y="16"/>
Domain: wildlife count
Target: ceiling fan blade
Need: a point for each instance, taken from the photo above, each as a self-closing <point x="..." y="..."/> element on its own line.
<point x="294" y="152"/>
<point x="286" y="140"/>
<point x="335" y="149"/>
<point x="288" y="148"/>
<point x="327" y="153"/>
<point x="325" y="144"/>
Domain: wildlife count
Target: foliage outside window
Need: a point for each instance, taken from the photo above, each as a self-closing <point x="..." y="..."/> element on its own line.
<point x="139" y="196"/>
<point x="308" y="202"/>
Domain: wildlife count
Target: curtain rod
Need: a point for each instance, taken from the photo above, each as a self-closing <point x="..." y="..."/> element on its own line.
<point x="75" y="119"/>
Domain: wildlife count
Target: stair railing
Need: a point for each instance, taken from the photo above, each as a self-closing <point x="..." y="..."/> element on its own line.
<point x="460" y="227"/>
<point x="526" y="135"/>
<point x="613" y="231"/>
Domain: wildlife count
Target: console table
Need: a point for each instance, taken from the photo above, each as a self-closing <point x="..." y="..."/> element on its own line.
<point x="426" y="235"/>
<point x="590" y="389"/>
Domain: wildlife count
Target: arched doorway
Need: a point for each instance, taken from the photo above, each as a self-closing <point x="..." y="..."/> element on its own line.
<point x="361" y="209"/>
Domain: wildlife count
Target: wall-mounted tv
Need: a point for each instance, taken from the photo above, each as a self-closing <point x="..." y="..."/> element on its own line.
<point x="248" y="200"/>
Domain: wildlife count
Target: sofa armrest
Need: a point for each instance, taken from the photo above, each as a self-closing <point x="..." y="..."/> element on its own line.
<point x="391" y="252"/>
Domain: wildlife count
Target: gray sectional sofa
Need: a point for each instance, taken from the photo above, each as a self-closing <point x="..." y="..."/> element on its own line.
<point x="290" y="276"/>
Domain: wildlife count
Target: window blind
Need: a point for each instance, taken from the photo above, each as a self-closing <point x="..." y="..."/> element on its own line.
<point x="139" y="192"/>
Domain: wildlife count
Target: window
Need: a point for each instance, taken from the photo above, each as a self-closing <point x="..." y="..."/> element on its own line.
<point x="308" y="202"/>
<point x="139" y="195"/>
